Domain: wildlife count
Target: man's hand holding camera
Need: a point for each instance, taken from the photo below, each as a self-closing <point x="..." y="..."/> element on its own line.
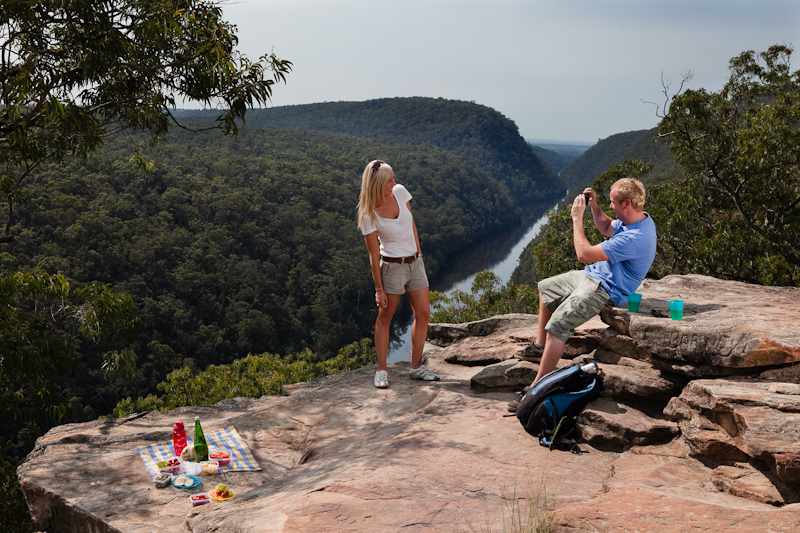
<point x="581" y="201"/>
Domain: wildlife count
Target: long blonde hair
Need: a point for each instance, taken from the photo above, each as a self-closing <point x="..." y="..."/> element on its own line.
<point x="373" y="189"/>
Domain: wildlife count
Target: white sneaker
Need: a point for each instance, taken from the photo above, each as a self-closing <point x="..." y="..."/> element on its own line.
<point x="382" y="379"/>
<point x="422" y="373"/>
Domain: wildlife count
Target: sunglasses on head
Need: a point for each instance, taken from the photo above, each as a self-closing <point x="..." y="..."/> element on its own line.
<point x="376" y="165"/>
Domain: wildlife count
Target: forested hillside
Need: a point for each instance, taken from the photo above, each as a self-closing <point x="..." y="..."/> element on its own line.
<point x="640" y="145"/>
<point x="558" y="156"/>
<point x="552" y="158"/>
<point x="237" y="246"/>
<point x="480" y="134"/>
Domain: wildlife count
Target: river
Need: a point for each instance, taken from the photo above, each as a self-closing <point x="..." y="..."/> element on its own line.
<point x="499" y="254"/>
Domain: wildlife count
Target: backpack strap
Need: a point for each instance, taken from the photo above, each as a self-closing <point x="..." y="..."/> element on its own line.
<point x="561" y="438"/>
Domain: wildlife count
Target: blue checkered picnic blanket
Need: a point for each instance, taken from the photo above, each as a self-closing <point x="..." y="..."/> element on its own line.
<point x="225" y="440"/>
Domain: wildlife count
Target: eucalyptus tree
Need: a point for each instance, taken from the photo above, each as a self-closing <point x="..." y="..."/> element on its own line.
<point x="73" y="72"/>
<point x="737" y="214"/>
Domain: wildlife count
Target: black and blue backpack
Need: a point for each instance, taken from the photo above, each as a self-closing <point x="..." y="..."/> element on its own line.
<point x="548" y="409"/>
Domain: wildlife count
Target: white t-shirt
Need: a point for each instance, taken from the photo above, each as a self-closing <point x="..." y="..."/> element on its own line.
<point x="396" y="235"/>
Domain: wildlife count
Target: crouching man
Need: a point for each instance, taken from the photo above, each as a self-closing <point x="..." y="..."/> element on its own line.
<point x="619" y="265"/>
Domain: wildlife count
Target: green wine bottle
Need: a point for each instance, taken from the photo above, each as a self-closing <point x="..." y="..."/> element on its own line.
<point x="200" y="446"/>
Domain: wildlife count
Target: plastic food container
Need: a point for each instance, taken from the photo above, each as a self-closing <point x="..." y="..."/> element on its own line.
<point x="200" y="499"/>
<point x="209" y="467"/>
<point x="220" y="457"/>
<point x="162" y="480"/>
<point x="170" y="467"/>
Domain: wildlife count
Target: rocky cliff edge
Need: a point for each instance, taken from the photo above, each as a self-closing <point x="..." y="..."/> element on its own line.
<point x="697" y="430"/>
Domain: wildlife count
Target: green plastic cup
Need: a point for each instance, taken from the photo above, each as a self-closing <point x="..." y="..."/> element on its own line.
<point x="634" y="300"/>
<point x="676" y="309"/>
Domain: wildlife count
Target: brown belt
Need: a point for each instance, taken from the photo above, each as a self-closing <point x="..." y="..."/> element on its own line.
<point x="409" y="259"/>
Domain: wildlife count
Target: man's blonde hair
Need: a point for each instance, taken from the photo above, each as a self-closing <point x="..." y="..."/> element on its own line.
<point x="373" y="189"/>
<point x="630" y="189"/>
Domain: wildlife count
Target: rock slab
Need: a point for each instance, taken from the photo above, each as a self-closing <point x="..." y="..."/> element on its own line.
<point x="503" y="337"/>
<point x="726" y="324"/>
<point x="757" y="420"/>
<point x="340" y="455"/>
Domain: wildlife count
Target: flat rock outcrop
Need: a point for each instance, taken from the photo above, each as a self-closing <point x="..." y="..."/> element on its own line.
<point x="445" y="334"/>
<point x="340" y="455"/>
<point x="503" y="338"/>
<point x="728" y="327"/>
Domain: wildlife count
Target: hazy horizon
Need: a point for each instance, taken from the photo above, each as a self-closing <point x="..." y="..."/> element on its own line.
<point x="577" y="69"/>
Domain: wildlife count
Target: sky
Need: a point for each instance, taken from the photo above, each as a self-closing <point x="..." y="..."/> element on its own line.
<point x="567" y="70"/>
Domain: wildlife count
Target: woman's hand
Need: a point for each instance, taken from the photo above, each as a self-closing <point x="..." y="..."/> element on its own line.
<point x="381" y="299"/>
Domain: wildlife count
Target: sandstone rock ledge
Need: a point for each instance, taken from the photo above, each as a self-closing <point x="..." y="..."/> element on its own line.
<point x="340" y="455"/>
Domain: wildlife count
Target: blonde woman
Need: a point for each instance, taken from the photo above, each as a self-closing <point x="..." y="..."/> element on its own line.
<point x="395" y="258"/>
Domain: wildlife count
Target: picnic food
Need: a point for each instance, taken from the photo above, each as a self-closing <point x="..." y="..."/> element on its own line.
<point x="209" y="467"/>
<point x="221" y="493"/>
<point x="169" y="466"/>
<point x="187" y="454"/>
<point x="162" y="480"/>
<point x="199" y="499"/>
<point x="220" y="457"/>
<point x="183" y="481"/>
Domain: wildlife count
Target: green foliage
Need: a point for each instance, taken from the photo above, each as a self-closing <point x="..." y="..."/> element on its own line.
<point x="14" y="514"/>
<point x="741" y="151"/>
<point x="553" y="251"/>
<point x="477" y="133"/>
<point x="253" y="376"/>
<point x="246" y="245"/>
<point x="43" y="325"/>
<point x="73" y="72"/>
<point x="702" y="235"/>
<point x="488" y="297"/>
<point x="641" y="145"/>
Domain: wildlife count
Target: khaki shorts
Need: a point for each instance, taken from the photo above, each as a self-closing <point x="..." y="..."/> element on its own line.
<point x="400" y="278"/>
<point x="574" y="298"/>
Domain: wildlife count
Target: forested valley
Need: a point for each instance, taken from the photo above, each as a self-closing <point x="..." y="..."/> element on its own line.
<point x="478" y="133"/>
<point x="242" y="245"/>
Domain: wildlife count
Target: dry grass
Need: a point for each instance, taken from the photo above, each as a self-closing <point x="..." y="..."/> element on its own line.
<point x="523" y="509"/>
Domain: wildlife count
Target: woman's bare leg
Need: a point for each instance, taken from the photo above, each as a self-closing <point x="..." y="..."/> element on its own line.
<point x="421" y="305"/>
<point x="382" y="325"/>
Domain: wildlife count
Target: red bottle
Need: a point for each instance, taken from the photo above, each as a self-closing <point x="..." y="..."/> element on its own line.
<point x="178" y="438"/>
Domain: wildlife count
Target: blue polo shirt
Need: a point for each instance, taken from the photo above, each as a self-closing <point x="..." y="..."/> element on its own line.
<point x="630" y="250"/>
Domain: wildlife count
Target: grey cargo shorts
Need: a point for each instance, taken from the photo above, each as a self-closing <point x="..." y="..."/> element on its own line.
<point x="574" y="298"/>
